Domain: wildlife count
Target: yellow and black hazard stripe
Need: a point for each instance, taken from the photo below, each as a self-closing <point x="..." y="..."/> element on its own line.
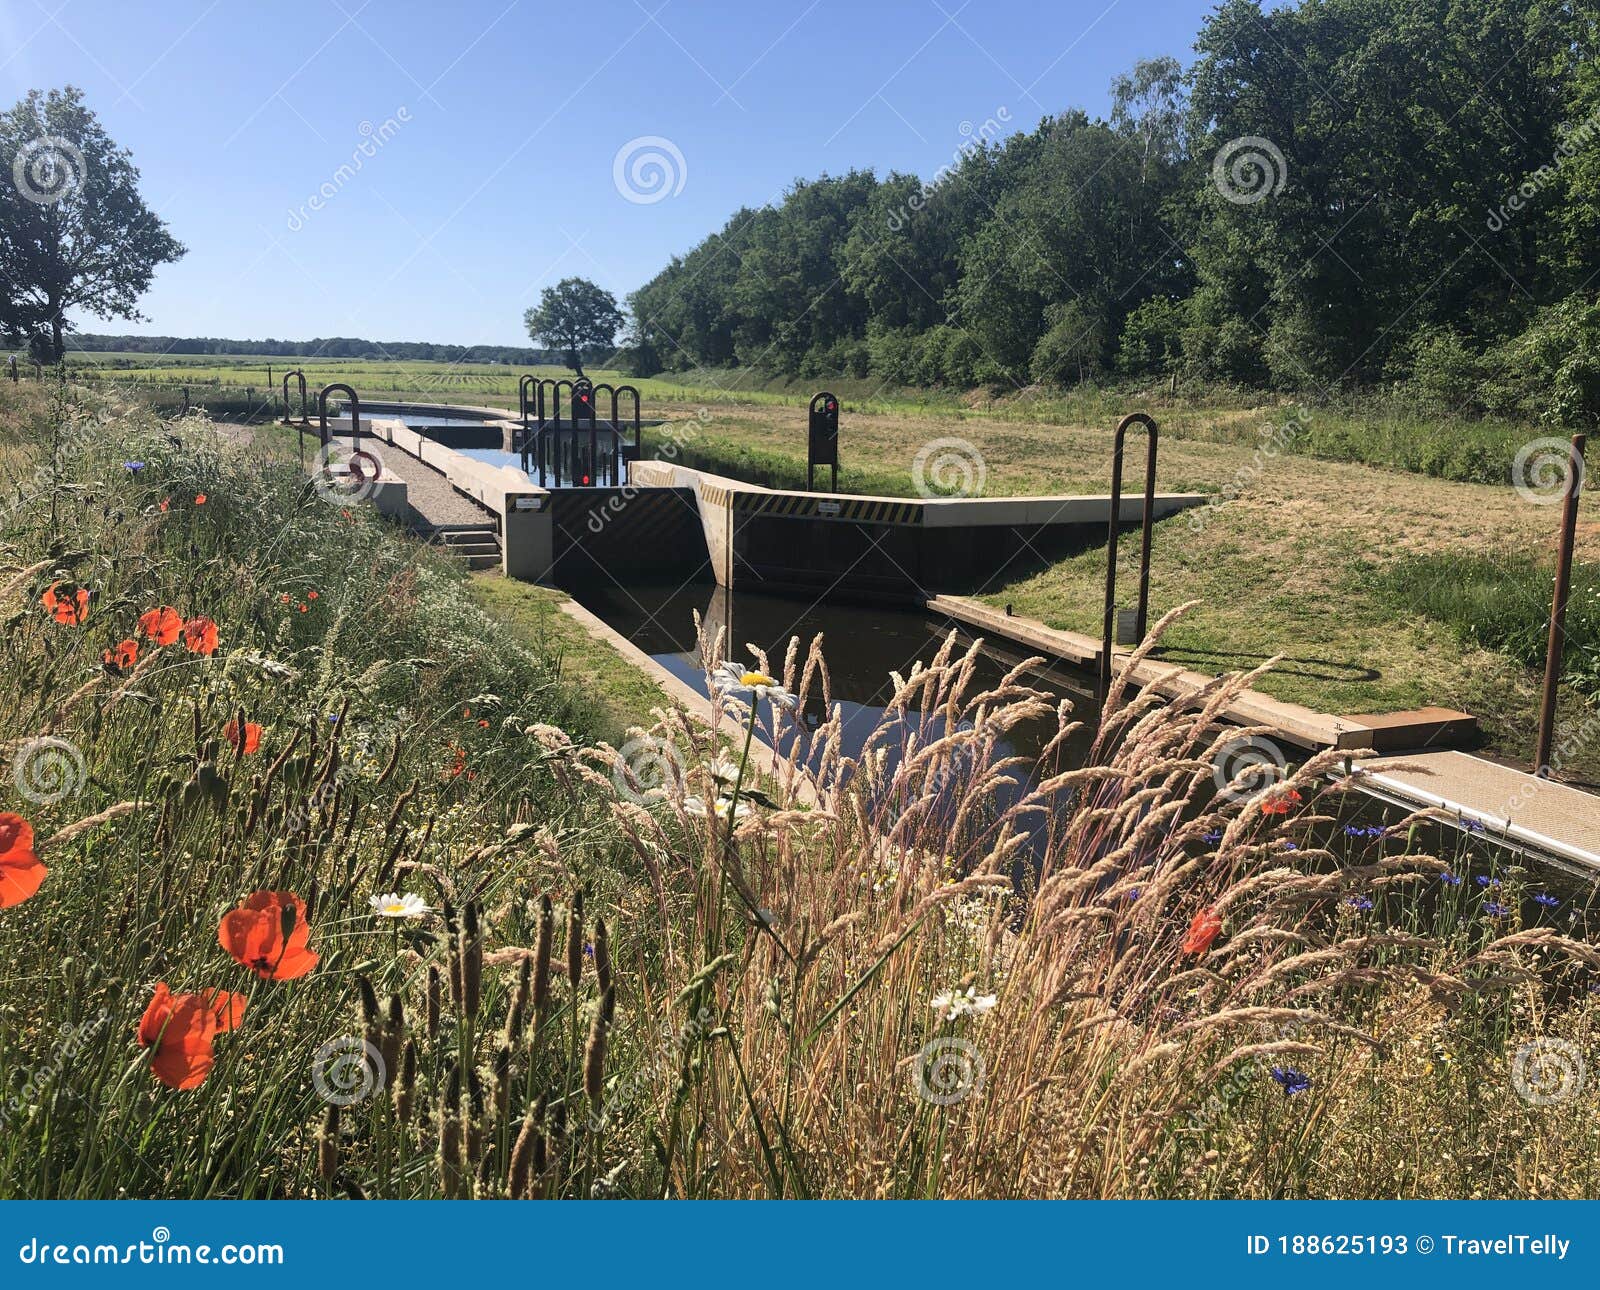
<point x="803" y="506"/>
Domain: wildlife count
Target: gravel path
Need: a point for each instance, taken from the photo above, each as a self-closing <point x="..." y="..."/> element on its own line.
<point x="428" y="492"/>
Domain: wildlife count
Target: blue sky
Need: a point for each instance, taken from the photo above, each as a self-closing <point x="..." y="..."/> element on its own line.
<point x="491" y="132"/>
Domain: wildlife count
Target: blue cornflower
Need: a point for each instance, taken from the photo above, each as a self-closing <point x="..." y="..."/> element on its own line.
<point x="1132" y="895"/>
<point x="133" y="467"/>
<point x="1494" y="909"/>
<point x="1364" y="830"/>
<point x="1472" y="826"/>
<point x="1213" y="836"/>
<point x="1484" y="880"/>
<point x="1547" y="900"/>
<point x="1290" y="846"/>
<point x="1450" y="879"/>
<point x="1359" y="902"/>
<point x="1291" y="1080"/>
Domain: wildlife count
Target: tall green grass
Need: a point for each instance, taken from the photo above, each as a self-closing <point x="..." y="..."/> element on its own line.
<point x="1502" y="603"/>
<point x="876" y="975"/>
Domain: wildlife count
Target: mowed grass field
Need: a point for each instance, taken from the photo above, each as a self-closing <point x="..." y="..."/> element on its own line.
<point x="1338" y="567"/>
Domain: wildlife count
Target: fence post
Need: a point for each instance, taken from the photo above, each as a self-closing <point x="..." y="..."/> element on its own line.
<point x="1558" y="611"/>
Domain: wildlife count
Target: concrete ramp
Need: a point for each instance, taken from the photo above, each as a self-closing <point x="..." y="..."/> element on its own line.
<point x="1537" y="813"/>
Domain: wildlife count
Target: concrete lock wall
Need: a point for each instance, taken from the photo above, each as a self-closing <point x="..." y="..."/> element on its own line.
<point x="893" y="546"/>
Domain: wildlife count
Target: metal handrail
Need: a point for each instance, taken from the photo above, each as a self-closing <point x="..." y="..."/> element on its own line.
<point x="322" y="411"/>
<point x="1108" y="636"/>
<point x="305" y="408"/>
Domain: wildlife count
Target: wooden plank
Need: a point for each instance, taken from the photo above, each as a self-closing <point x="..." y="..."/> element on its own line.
<point x="1292" y="722"/>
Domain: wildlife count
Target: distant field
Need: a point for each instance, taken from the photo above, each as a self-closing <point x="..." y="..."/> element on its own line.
<point x="493" y="385"/>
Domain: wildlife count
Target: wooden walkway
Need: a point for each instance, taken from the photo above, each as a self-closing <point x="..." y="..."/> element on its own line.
<point x="1536" y="813"/>
<point x="1295" y="724"/>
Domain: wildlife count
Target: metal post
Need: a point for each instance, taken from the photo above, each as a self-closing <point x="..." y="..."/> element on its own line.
<point x="1108" y="635"/>
<point x="1558" y="610"/>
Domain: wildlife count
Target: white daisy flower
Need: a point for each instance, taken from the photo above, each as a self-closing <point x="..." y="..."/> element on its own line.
<point x="956" y="1003"/>
<point x="724" y="770"/>
<point x="730" y="678"/>
<point x="397" y="904"/>
<point x="697" y="806"/>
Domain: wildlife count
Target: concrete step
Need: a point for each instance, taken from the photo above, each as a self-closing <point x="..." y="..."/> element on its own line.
<point x="458" y="534"/>
<point x="483" y="561"/>
<point x="469" y="549"/>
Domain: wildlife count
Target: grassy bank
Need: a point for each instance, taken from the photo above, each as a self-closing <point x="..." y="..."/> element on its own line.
<point x="833" y="988"/>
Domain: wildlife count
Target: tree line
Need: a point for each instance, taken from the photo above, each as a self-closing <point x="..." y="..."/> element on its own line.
<point x="1336" y="194"/>
<point x="317" y="347"/>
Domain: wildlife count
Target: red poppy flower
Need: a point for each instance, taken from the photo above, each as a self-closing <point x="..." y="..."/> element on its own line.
<point x="180" y="1027"/>
<point x="20" y="869"/>
<point x="284" y="598"/>
<point x="162" y="626"/>
<point x="69" y="608"/>
<point x="200" y="636"/>
<point x="164" y="505"/>
<point x="311" y="595"/>
<point x="252" y="736"/>
<point x="268" y="934"/>
<point x="455" y="769"/>
<point x="1280" y="803"/>
<point x="1202" y="931"/>
<point x="199" y="499"/>
<point x="123" y="656"/>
